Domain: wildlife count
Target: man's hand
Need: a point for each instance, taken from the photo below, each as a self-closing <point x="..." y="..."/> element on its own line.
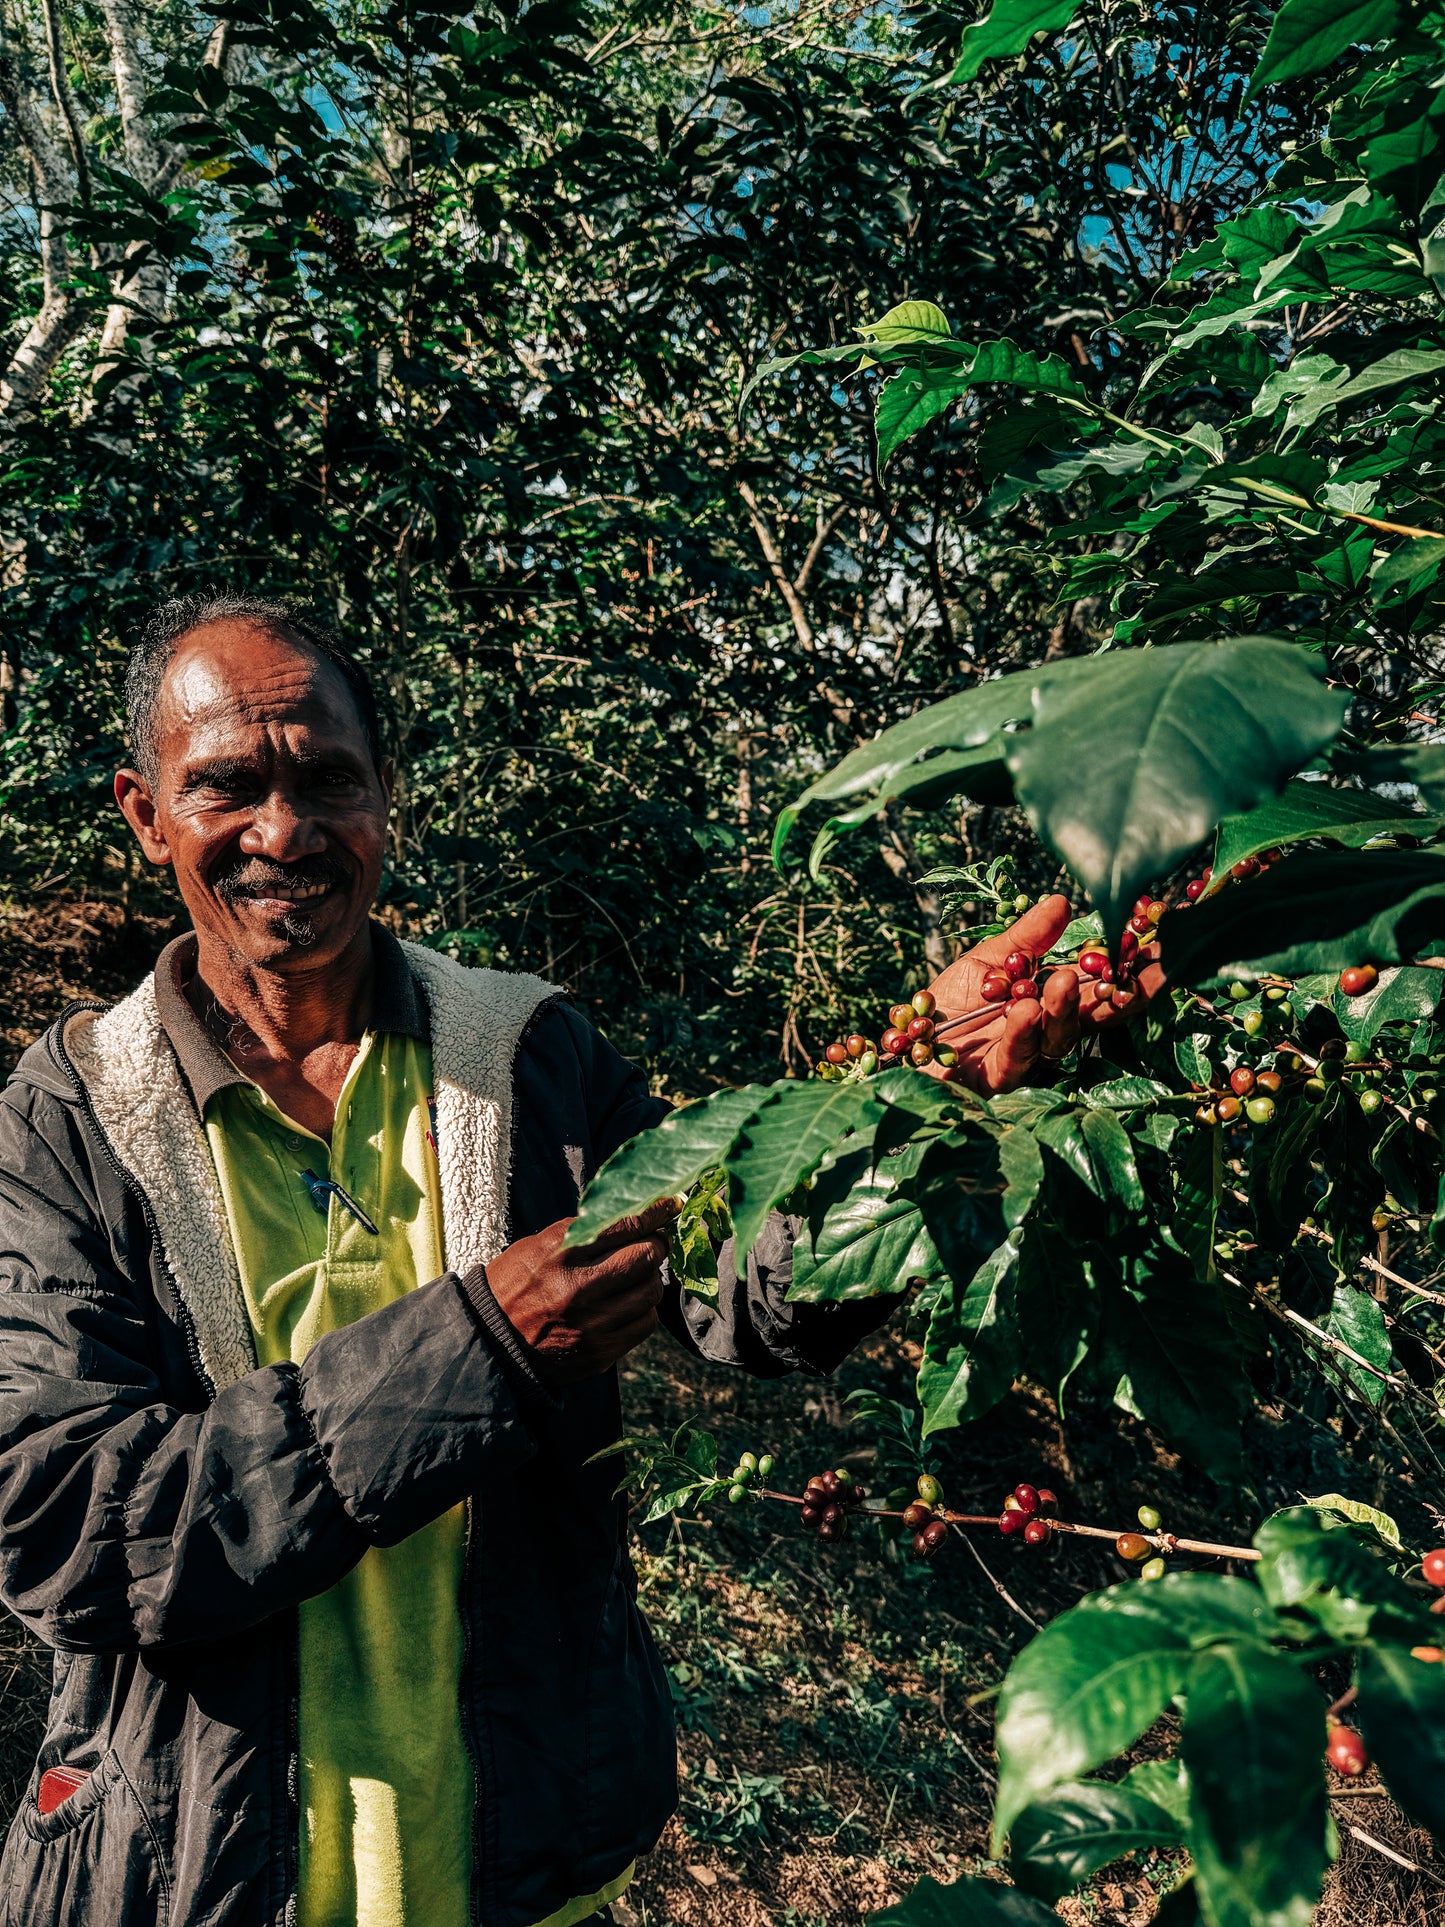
<point x="580" y="1311"/>
<point x="997" y="1052"/>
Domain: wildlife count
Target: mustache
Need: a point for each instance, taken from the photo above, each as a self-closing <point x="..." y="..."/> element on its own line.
<point x="246" y="876"/>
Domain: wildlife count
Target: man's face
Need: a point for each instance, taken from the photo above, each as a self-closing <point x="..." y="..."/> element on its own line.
<point x="266" y="801"/>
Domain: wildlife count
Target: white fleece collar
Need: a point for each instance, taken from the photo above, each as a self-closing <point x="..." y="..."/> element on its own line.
<point x="142" y="1104"/>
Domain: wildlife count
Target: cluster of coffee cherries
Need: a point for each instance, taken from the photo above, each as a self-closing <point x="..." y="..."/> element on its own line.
<point x="829" y="1498"/>
<point x="1027" y="1510"/>
<point x="750" y="1470"/>
<point x="910" y="1036"/>
<point x="921" y="1515"/>
<point x="1134" y="1547"/>
<point x="1344" y="1749"/>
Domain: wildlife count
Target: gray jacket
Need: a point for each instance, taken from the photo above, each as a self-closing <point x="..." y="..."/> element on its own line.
<point x="165" y="1504"/>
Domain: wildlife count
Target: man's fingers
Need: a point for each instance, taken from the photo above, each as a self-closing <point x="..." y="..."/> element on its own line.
<point x="1061" y="1012"/>
<point x="657" y="1217"/>
<point x="1017" y="1051"/>
<point x="1037" y="931"/>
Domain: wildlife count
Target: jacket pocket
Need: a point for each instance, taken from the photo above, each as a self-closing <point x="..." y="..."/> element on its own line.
<point x="91" y="1862"/>
<point x="630" y="1748"/>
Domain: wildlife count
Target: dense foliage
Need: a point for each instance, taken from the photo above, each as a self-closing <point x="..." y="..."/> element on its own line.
<point x="441" y="323"/>
<point x="1219" y="1179"/>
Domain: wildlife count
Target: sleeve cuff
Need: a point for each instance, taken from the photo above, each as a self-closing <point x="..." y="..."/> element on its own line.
<point x="517" y="1355"/>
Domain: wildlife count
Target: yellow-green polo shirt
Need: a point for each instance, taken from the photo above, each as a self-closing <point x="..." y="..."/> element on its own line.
<point x="386" y="1789"/>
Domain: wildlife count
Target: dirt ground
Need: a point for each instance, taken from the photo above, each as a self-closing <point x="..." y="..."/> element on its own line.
<point x="834" y="1710"/>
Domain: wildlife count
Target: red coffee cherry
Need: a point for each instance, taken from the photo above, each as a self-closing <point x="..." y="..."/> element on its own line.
<point x="1141" y="926"/>
<point x="1431" y="1655"/>
<point x="1037" y="1532"/>
<point x="994" y="988"/>
<point x="895" y="1042"/>
<point x="1228" y="1109"/>
<point x="901" y="1016"/>
<point x="934" y="1534"/>
<point x="1195" y="889"/>
<point x="1155" y="911"/>
<point x="811" y="1515"/>
<point x="1106" y="975"/>
<point x="1022" y="988"/>
<point x="1141" y="906"/>
<point x="856" y="1045"/>
<point x="1011" y="1521"/>
<point x="921" y="1053"/>
<point x="836" y="1053"/>
<point x="1131" y="1545"/>
<point x="1241" y="1081"/>
<point x="1345" y="1751"/>
<point x="1027" y="1497"/>
<point x="1018" y="963"/>
<point x="921" y="1547"/>
<point x="1048" y="1501"/>
<point x="1432" y="1566"/>
<point x="1268" y="1081"/>
<point x="1093" y="963"/>
<point x="924" y="1004"/>
<point x="1246" y="867"/>
<point x="916" y="1516"/>
<point x="920" y="1030"/>
<point x="1358" y="979"/>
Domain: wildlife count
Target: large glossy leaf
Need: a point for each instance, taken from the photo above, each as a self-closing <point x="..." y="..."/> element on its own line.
<point x="1126" y="773"/>
<point x="969" y="1902"/>
<point x="1322" y="1565"/>
<point x="1305" y="809"/>
<point x="904" y="755"/>
<point x="1336" y="907"/>
<point x="971" y="1349"/>
<point x="1358" y="1322"/>
<point x="1058" y="1843"/>
<point x="1251" y="1743"/>
<point x="1307" y="35"/>
<point x="1081" y="1692"/>
<point x="1402" y="1716"/>
<point x="784" y="1141"/>
<point x="1170" y="1344"/>
<point x="1007" y="29"/>
<point x="1058" y="1308"/>
<point x="863" y="1238"/>
<point x="664" y="1161"/>
<point x="1401" y="996"/>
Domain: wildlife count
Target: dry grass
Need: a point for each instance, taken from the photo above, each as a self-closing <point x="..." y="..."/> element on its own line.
<point x="834" y="1711"/>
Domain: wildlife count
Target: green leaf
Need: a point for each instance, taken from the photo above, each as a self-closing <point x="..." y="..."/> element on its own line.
<point x="1164" y="1782"/>
<point x="969" y="1902"/>
<point x="1357" y="1320"/>
<point x="1401" y="1711"/>
<point x="1360" y="1514"/>
<point x="1251" y="1743"/>
<point x="1171" y="1342"/>
<point x="784" y="1140"/>
<point x="1007" y="29"/>
<point x="1325" y="1567"/>
<point x="1083" y="1691"/>
<point x="910" y="400"/>
<point x="971" y="1350"/>
<point x="666" y="1160"/>
<point x="1113" y="1156"/>
<point x="909" y="321"/>
<point x="864" y="1238"/>
<point x="1058" y="1843"/>
<point x="1097" y="1677"/>
<point x="1314" y="809"/>
<point x="1340" y="907"/>
<point x="1198" y="1184"/>
<point x="1401" y="996"/>
<point x="1307" y="35"/>
<point x="1172" y="740"/>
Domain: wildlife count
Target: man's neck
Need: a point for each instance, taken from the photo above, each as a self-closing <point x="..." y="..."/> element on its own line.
<point x="295" y="1033"/>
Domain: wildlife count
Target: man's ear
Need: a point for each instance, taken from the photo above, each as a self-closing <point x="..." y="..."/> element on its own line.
<point x="137" y="806"/>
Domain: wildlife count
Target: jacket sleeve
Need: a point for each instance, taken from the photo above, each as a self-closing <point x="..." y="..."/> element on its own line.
<point x="128" y="1522"/>
<point x="570" y="1075"/>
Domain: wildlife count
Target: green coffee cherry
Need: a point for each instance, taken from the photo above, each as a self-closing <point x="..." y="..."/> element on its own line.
<point x="1153" y="1569"/>
<point x="736" y="1494"/>
<point x="748" y="1462"/>
<point x="1315" y="1089"/>
<point x="1331" y="1070"/>
<point x="765" y="1466"/>
<point x="1355" y="1053"/>
<point x="1253" y="1022"/>
<point x="929" y="1490"/>
<point x="1148" y="1518"/>
<point x="1239" y="993"/>
<point x="1276" y="993"/>
<point x="1260" y="1110"/>
<point x="1371" y="1101"/>
<point x="1022" y="903"/>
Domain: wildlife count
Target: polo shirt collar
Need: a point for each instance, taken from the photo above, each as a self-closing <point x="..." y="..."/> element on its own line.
<point x="398" y="1008"/>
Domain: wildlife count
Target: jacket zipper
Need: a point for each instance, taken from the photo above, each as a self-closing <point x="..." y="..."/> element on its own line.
<point x="135" y="1190"/>
<point x="466" y="1698"/>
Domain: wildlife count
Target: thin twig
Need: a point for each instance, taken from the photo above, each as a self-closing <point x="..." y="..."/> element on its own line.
<point x="1400" y="1860"/>
<point x="1002" y="1590"/>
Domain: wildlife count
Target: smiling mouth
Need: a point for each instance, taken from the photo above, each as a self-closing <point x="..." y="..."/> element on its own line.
<point x="284" y="892"/>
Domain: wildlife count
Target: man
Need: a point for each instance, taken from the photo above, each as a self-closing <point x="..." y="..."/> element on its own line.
<point x="299" y="1392"/>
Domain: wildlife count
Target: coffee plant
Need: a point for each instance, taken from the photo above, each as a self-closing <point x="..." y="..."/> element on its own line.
<point x="1239" y="491"/>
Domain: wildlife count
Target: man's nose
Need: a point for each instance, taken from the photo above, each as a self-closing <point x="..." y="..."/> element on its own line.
<point x="282" y="830"/>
